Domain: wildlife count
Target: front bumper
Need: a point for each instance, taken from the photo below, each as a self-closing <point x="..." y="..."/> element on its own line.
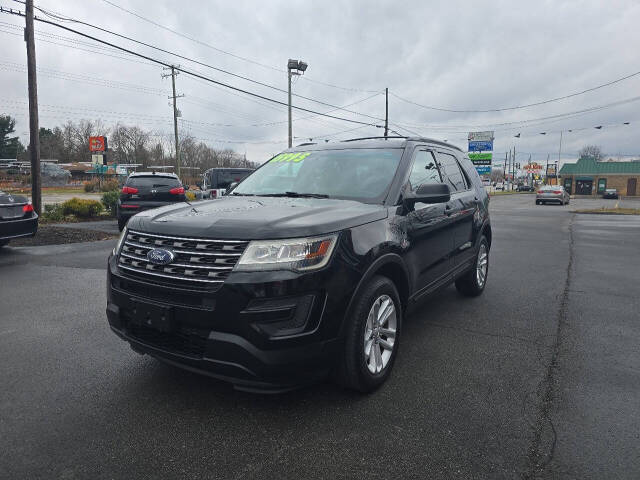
<point x="247" y="332"/>
<point x="24" y="227"/>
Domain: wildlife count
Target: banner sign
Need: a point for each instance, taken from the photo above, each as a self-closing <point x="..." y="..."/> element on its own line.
<point x="481" y="136"/>
<point x="484" y="170"/>
<point x="481" y="158"/>
<point x="480" y="146"/>
<point x="97" y="144"/>
<point x="533" y="167"/>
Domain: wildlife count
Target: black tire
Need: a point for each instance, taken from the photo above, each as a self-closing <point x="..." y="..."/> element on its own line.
<point x="122" y="222"/>
<point x="352" y="370"/>
<point x="469" y="285"/>
<point x="538" y="202"/>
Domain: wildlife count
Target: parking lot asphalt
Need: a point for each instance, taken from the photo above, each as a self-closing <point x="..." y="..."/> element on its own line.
<point x="537" y="378"/>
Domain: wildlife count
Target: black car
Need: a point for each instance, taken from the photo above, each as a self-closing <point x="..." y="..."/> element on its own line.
<point x="525" y="188"/>
<point x="146" y="190"/>
<point x="610" y="193"/>
<point x="216" y="181"/>
<point x="307" y="267"/>
<point x="17" y="218"/>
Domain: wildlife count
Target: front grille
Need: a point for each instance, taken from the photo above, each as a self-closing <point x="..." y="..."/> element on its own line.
<point x="184" y="341"/>
<point x="198" y="262"/>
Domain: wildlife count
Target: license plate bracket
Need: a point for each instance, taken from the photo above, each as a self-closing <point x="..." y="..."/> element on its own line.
<point x="153" y="315"/>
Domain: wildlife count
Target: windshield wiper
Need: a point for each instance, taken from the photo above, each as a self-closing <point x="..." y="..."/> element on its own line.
<point x="296" y="195"/>
<point x="243" y="194"/>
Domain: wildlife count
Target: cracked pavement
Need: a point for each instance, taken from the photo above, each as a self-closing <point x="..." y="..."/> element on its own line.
<point x="537" y="378"/>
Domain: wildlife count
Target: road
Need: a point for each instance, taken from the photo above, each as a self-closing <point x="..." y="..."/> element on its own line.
<point x="537" y="378"/>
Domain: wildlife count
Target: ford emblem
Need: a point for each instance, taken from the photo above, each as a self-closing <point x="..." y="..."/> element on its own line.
<point x="160" y="256"/>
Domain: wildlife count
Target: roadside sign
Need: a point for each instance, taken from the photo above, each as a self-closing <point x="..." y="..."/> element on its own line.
<point x="97" y="144"/>
<point x="480" y="145"/>
<point x="481" y="136"/>
<point x="97" y="159"/>
<point x="481" y="158"/>
<point x="483" y="170"/>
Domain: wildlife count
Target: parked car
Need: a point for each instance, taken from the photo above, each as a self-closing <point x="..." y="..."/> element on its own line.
<point x="17" y="218"/>
<point x="610" y="193"/>
<point x="500" y="186"/>
<point x="525" y="188"/>
<point x="552" y="194"/>
<point x="216" y="181"/>
<point x="146" y="190"/>
<point x="307" y="267"/>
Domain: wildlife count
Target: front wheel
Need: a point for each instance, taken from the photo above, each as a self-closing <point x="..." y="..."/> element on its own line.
<point x="371" y="336"/>
<point x="472" y="283"/>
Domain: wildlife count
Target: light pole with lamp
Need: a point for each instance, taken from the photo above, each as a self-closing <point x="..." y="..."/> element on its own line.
<point x="294" y="67"/>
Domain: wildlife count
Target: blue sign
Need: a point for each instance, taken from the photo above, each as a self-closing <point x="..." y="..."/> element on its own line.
<point x="480" y="146"/>
<point x="484" y="170"/>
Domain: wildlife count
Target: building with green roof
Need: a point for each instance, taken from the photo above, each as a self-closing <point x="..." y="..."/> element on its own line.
<point x="591" y="177"/>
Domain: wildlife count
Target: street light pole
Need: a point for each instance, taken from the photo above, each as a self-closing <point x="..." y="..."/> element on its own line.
<point x="34" y="127"/>
<point x="298" y="66"/>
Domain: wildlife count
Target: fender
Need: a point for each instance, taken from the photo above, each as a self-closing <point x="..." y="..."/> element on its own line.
<point x="387" y="258"/>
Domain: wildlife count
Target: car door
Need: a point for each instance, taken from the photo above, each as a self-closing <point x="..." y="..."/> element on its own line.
<point x="427" y="226"/>
<point x="460" y="209"/>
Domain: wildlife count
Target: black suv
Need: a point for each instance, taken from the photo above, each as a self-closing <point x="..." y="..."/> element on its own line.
<point x="146" y="190"/>
<point x="307" y="267"/>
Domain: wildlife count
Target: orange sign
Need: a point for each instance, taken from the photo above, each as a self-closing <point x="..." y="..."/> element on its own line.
<point x="97" y="144"/>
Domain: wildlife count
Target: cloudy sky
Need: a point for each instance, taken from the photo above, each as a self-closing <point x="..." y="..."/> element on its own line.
<point x="453" y="55"/>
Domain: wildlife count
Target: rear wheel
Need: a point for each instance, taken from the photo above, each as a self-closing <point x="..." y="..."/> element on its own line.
<point x="371" y="336"/>
<point x="472" y="283"/>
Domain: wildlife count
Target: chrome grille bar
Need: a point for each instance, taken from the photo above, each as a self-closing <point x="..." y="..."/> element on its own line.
<point x="205" y="261"/>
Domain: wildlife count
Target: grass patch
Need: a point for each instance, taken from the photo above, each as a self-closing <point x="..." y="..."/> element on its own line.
<point x="610" y="211"/>
<point x="507" y="192"/>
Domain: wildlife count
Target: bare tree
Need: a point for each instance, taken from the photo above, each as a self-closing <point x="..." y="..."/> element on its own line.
<point x="591" y="151"/>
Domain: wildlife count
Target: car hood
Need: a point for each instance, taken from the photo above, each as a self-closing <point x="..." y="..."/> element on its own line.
<point x="252" y="218"/>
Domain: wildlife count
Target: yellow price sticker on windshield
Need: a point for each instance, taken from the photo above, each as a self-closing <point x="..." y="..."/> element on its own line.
<point x="291" y="157"/>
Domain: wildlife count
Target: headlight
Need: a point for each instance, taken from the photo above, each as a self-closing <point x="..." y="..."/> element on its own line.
<point x="123" y="235"/>
<point x="299" y="254"/>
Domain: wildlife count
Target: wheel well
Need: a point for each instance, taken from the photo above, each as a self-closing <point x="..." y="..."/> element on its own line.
<point x="396" y="274"/>
<point x="486" y="231"/>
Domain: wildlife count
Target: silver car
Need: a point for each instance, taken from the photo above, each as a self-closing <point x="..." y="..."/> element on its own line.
<point x="552" y="194"/>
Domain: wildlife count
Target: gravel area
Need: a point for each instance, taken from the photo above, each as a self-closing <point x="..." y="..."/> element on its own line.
<point x="50" y="235"/>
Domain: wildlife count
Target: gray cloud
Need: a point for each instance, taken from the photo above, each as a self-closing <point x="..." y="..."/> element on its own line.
<point x="464" y="55"/>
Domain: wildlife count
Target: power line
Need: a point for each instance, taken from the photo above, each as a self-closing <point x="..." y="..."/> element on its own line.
<point x="187" y="72"/>
<point x="270" y="67"/>
<point x="198" y="62"/>
<point x="517" y="107"/>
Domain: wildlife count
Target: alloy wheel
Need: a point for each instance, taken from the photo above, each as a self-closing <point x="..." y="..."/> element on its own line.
<point x="380" y="334"/>
<point x="482" y="265"/>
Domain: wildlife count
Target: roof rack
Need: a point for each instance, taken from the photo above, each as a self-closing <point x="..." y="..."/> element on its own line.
<point x="374" y="138"/>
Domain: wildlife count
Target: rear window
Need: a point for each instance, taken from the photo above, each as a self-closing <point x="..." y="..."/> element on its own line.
<point x="153" y="181"/>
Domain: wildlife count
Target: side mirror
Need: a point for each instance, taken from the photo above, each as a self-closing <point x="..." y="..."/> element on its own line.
<point x="428" y="193"/>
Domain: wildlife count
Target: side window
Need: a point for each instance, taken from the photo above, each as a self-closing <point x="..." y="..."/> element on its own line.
<point x="451" y="173"/>
<point x="424" y="170"/>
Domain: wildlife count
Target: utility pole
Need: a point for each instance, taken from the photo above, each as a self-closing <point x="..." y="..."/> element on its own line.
<point x="176" y="114"/>
<point x="386" y="112"/>
<point x="504" y="170"/>
<point x="560" y="149"/>
<point x="546" y="172"/>
<point x="34" y="127"/>
<point x="513" y="165"/>
<point x="289" y="107"/>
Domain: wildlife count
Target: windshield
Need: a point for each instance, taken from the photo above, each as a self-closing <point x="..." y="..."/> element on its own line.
<point x="358" y="174"/>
